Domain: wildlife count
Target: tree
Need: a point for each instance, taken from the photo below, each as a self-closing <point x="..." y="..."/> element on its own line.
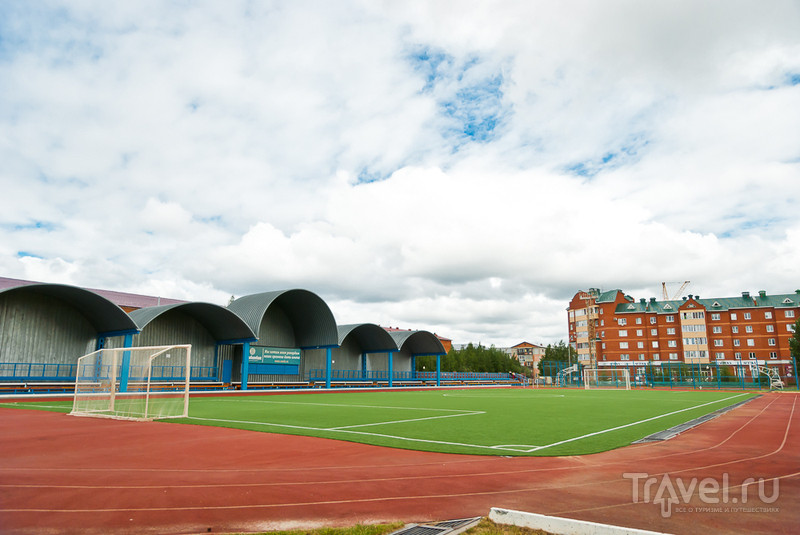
<point x="794" y="343"/>
<point x="473" y="358"/>
<point x="556" y="357"/>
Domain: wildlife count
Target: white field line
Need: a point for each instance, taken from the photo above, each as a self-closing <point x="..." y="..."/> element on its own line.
<point x="348" y="431"/>
<point x="469" y="413"/>
<point x="508" y="447"/>
<point x="344" y="405"/>
<point x="633" y="423"/>
<point x="34" y="407"/>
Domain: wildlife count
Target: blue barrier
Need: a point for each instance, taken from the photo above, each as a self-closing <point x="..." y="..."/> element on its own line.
<point x="31" y="372"/>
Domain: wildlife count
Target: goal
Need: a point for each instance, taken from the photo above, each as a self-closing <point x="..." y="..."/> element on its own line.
<point x="134" y="383"/>
<point x="594" y="378"/>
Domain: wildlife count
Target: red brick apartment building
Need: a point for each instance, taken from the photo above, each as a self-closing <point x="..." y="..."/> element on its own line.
<point x="613" y="329"/>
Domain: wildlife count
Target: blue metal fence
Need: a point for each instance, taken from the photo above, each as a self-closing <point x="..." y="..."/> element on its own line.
<point x="744" y="375"/>
<point x="29" y="372"/>
<point x="376" y="375"/>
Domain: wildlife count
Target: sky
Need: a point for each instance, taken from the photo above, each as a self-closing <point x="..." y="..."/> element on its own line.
<point x="462" y="167"/>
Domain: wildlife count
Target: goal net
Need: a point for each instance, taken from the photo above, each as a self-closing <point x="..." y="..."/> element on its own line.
<point x="135" y="383"/>
<point x="594" y="378"/>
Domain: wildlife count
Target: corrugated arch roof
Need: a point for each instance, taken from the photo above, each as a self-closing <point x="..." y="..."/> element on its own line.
<point x="102" y="314"/>
<point x="312" y="320"/>
<point x="221" y="323"/>
<point x="418" y="342"/>
<point x="370" y="337"/>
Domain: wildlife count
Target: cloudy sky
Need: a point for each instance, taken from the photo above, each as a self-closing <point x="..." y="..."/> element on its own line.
<point x="461" y="167"/>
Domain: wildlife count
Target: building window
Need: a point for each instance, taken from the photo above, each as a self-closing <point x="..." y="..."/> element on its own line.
<point x="751" y="342"/>
<point x="656" y="356"/>
<point x="653" y="320"/>
<point x="673" y="356"/>
<point x="623" y="333"/>
<point x="719" y="356"/>
<point x="672" y="343"/>
<point x="790" y="328"/>
<point x="773" y="355"/>
<point x="733" y="316"/>
<point x="638" y="332"/>
<point x="736" y="343"/>
<point x="641" y="356"/>
<point x="622" y="322"/>
<point x="602" y="323"/>
<point x="771" y="341"/>
<point x="604" y="345"/>
<point x="717" y="343"/>
<point x="717" y="329"/>
<point x="770" y="328"/>
<point x="748" y="328"/>
<point x="715" y="317"/>
<point x="655" y="344"/>
<point x="747" y="315"/>
<point x="653" y="332"/>
<point x="751" y="355"/>
<point x="767" y="315"/>
<point x="671" y="318"/>
<point x="734" y="329"/>
<point x="638" y="321"/>
<point x="623" y="345"/>
<point x="671" y="330"/>
<point x="694" y="315"/>
<point x="788" y="313"/>
<point x="624" y="356"/>
<point x="737" y="356"/>
<point x="640" y="345"/>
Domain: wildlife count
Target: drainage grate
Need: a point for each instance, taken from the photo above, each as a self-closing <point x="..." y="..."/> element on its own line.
<point x="678" y="429"/>
<point x="452" y="527"/>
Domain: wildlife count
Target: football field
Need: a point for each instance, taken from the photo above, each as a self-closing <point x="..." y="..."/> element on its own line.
<point x="511" y="422"/>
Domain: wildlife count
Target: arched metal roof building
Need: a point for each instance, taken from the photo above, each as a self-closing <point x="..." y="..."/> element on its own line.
<point x="51" y="325"/>
<point x="222" y="324"/>
<point x="296" y="319"/>
<point x="370" y="337"/>
<point x="418" y="342"/>
<point x="288" y="318"/>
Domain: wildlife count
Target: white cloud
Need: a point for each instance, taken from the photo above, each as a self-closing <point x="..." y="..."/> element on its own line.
<point x="461" y="173"/>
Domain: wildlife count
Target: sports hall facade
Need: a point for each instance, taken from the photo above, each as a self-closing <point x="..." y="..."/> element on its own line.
<point x="613" y="329"/>
<point x="269" y="338"/>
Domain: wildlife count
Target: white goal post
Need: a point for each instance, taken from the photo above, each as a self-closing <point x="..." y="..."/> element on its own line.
<point x="594" y="378"/>
<point x="134" y="383"/>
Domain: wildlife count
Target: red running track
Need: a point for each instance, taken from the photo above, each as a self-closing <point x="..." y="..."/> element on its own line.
<point x="60" y="474"/>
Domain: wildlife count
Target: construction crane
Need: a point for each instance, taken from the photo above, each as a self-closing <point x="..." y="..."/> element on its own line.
<point x="677" y="294"/>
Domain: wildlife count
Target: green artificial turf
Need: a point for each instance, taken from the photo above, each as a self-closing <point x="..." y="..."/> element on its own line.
<point x="479" y="421"/>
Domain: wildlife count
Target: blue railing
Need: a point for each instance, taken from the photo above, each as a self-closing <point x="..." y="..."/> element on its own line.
<point x="376" y="375"/>
<point x="25" y="371"/>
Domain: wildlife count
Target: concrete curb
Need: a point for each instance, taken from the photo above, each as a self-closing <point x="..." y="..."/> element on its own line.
<point x="560" y="526"/>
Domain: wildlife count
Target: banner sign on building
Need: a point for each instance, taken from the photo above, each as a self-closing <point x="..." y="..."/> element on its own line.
<point x="274" y="355"/>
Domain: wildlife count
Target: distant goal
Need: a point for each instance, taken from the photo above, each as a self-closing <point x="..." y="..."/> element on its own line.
<point x="603" y="378"/>
<point x="134" y="383"/>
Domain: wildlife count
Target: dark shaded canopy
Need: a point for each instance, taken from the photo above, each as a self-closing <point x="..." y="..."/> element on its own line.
<point x="221" y="323"/>
<point x="418" y="342"/>
<point x="104" y="316"/>
<point x="370" y="337"/>
<point x="312" y="320"/>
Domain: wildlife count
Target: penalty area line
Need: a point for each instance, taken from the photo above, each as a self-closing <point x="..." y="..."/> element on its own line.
<point x="349" y="431"/>
<point x="470" y="413"/>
